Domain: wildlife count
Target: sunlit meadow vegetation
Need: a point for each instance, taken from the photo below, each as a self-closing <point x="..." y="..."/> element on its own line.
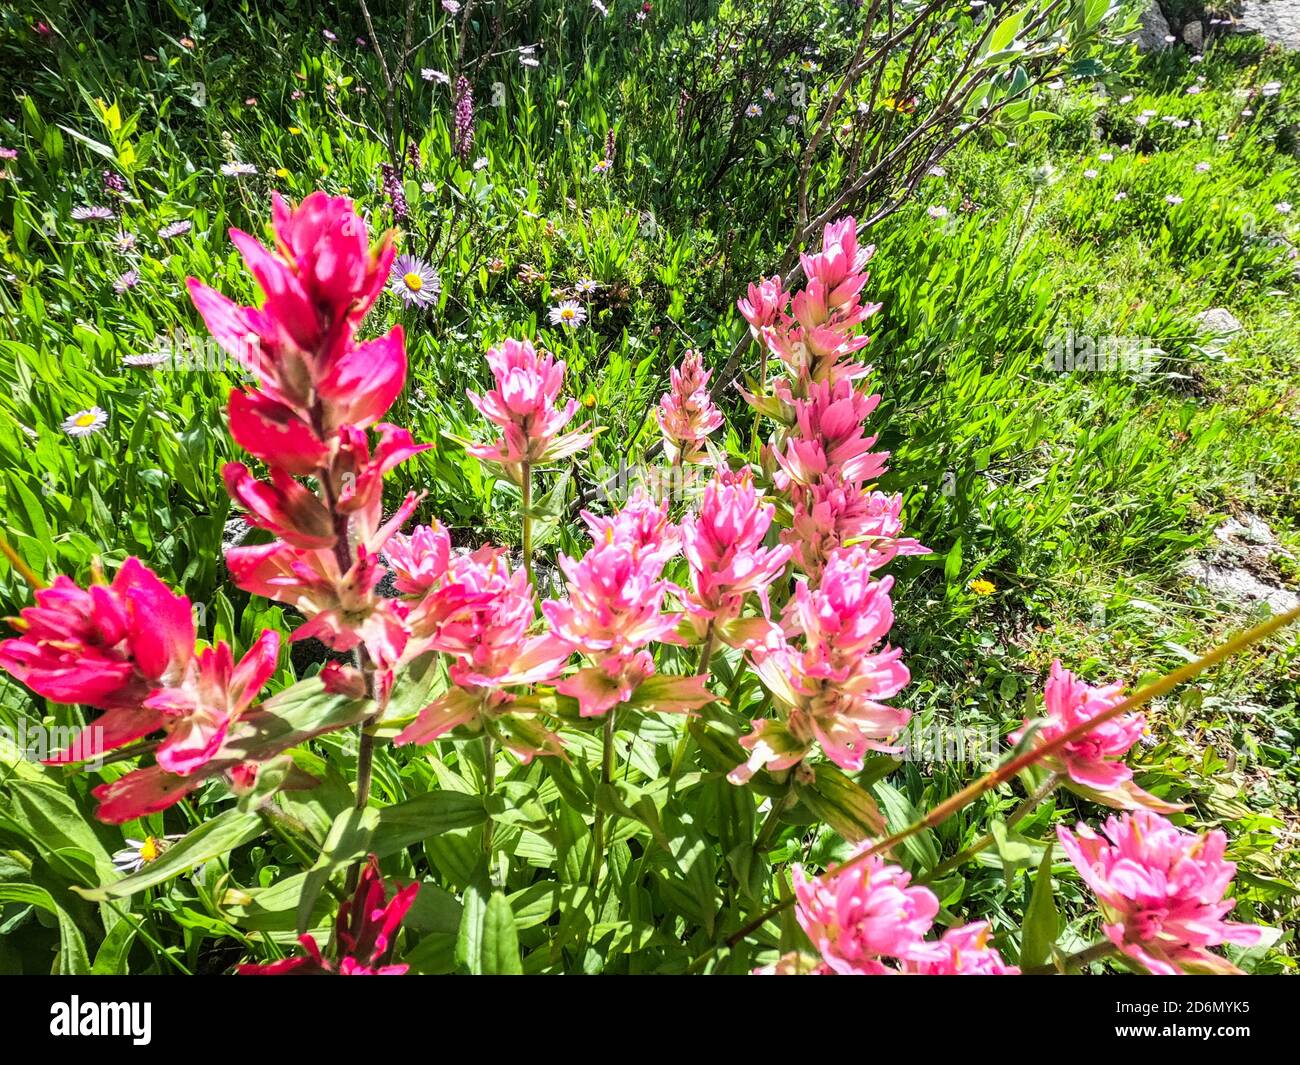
<point x="1064" y="436"/>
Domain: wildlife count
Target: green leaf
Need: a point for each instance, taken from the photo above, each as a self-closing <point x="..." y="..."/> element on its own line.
<point x="430" y="814"/>
<point x="500" y="940"/>
<point x="348" y="840"/>
<point x="469" y="941"/>
<point x="72" y="959"/>
<point x="111" y="958"/>
<point x="1038" y="934"/>
<point x="900" y="813"/>
<point x="847" y="808"/>
<point x="212" y="839"/>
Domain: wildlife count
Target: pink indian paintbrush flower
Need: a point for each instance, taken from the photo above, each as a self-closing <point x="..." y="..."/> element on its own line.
<point x="863" y="913"/>
<point x="418" y="561"/>
<point x="641" y="524"/>
<point x="1161" y="891"/>
<point x="833" y="512"/>
<point x="108" y="646"/>
<point x="723" y="546"/>
<point x="829" y="682"/>
<point x="363" y="933"/>
<point x="962" y="951"/>
<point x="614" y="610"/>
<point x="765" y="304"/>
<point x="319" y="282"/>
<point x="828" y="437"/>
<point x="686" y="412"/>
<point x="841" y="263"/>
<point x="818" y="340"/>
<point x="480" y="613"/>
<point x="198" y="712"/>
<point x="523" y="405"/>
<point x="1093" y="765"/>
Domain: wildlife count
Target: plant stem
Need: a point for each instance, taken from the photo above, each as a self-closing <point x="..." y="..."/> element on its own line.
<point x="527" y="519"/>
<point x="684" y="744"/>
<point x="598" y="824"/>
<point x="1045" y="789"/>
<point x="489" y="785"/>
<point x="19" y="563"/>
<point x="1089" y="954"/>
<point x="762" y="844"/>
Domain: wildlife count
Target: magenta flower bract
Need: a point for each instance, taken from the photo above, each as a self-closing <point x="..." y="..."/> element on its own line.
<point x="363" y="932"/>
<point x="1161" y="891"/>
<point x="107" y="646"/>
<point x="198" y="712"/>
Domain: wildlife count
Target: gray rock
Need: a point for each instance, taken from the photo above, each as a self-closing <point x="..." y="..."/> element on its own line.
<point x="1153" y="31"/>
<point x="1219" y="322"/>
<point x="1193" y="35"/>
<point x="1275" y="20"/>
<point x="1237" y="567"/>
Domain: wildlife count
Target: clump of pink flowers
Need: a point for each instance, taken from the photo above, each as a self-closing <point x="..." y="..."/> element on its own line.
<point x="614" y="611"/>
<point x="866" y="918"/>
<point x="1092" y="765"/>
<point x="723" y="543"/>
<point x="686" y="413"/>
<point x="830" y="673"/>
<point x="480" y="613"/>
<point x="1161" y="891"/>
<point x="829" y="670"/>
<point x="128" y="649"/>
<point x="523" y="406"/>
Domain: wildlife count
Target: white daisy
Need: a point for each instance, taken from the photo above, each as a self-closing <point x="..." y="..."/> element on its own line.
<point x="92" y="213"/>
<point x="585" y="287"/>
<point x="238" y="169"/>
<point x="141" y="852"/>
<point x="1173" y="200"/>
<point x="569" y="314"/>
<point x="85" y="422"/>
<point x="146" y="360"/>
<point x="415" y="281"/>
<point x="937" y="211"/>
<point x="1282" y="208"/>
<point x="429" y="74"/>
<point x="753" y="111"/>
